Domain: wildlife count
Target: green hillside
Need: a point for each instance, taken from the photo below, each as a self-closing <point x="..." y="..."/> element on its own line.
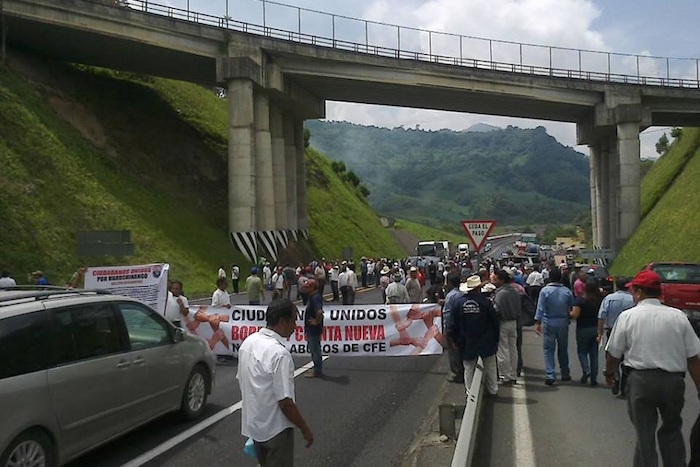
<point x="87" y="149"/>
<point x="667" y="168"/>
<point x="670" y="201"/>
<point x="513" y="175"/>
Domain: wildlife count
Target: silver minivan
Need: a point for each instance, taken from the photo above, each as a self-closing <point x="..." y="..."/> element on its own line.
<point x="78" y="369"/>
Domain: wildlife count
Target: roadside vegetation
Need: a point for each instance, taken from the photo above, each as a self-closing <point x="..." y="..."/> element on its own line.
<point x="93" y="149"/>
<point x="670" y="165"/>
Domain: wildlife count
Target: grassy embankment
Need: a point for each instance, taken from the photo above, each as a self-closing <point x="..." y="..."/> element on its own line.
<point x="671" y="217"/>
<point x="85" y="149"/>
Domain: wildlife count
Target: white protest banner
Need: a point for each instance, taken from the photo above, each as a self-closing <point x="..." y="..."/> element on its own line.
<point x="146" y="282"/>
<point x="349" y="330"/>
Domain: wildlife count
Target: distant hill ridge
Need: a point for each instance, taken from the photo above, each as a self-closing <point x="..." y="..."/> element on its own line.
<point x="513" y="175"/>
<point x="482" y="128"/>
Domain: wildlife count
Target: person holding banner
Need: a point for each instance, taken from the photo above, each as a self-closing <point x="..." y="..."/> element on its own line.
<point x="266" y="377"/>
<point x="177" y="305"/>
<point x="313" y="327"/>
<point x="473" y="330"/>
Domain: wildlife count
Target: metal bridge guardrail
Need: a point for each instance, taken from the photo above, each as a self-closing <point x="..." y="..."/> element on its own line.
<point x="561" y="62"/>
<point x="466" y="441"/>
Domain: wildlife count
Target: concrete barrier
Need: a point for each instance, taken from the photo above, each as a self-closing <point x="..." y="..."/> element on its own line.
<point x="466" y="441"/>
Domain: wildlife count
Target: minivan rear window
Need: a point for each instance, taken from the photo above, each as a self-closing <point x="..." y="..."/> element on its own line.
<point x="678" y="273"/>
<point x="23" y="346"/>
<point x="83" y="332"/>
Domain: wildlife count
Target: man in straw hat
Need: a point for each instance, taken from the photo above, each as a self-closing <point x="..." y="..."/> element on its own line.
<point x="659" y="346"/>
<point x="473" y="329"/>
<point x="396" y="292"/>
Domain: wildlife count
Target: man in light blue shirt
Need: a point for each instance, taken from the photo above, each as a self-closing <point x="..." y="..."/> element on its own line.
<point x="612" y="306"/>
<point x="610" y="309"/>
<point x="553" y="308"/>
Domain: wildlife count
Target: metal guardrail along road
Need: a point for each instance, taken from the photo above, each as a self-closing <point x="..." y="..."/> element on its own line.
<point x="364" y="36"/>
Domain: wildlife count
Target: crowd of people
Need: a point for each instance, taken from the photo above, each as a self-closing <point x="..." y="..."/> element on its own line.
<point x="649" y="348"/>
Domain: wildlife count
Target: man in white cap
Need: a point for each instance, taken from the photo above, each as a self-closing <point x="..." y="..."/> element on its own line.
<point x="659" y="347"/>
<point x="413" y="286"/>
<point x="384" y="281"/>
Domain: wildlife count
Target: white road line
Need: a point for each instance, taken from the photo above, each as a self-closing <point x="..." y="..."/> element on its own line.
<point x="204" y="424"/>
<point x="524" y="454"/>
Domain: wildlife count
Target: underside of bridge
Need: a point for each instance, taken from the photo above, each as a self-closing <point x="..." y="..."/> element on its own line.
<point x="273" y="85"/>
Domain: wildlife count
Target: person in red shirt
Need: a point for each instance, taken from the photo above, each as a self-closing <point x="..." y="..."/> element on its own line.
<point x="421" y="277"/>
<point x="580" y="283"/>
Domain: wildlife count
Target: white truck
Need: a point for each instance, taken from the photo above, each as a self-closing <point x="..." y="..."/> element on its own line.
<point x="439" y="249"/>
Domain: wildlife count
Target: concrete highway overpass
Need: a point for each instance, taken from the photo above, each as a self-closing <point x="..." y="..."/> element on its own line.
<point x="275" y="79"/>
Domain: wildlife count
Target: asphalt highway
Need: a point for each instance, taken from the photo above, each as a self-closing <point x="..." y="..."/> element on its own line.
<point x="366" y="412"/>
<point x="568" y="424"/>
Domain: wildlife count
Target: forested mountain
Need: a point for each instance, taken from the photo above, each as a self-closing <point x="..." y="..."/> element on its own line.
<point x="513" y="175"/>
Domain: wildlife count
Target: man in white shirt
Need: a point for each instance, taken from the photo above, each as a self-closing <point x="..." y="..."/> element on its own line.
<point x="267" y="274"/>
<point x="343" y="282"/>
<point x="335" y="272"/>
<point x="221" y="273"/>
<point x="235" y="277"/>
<point x="352" y="283"/>
<point x="220" y="297"/>
<point x="659" y="345"/>
<point x="177" y="305"/>
<point x="278" y="284"/>
<point x="6" y="280"/>
<point x="535" y="282"/>
<point x="266" y="376"/>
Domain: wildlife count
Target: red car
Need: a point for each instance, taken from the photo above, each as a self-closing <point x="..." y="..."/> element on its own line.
<point x="680" y="284"/>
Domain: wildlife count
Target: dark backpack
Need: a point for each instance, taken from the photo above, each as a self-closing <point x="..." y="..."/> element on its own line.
<point x="528" y="310"/>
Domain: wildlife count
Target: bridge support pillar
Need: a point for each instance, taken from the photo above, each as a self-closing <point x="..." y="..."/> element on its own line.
<point x="603" y="195"/>
<point x="629" y="179"/>
<point x="241" y="166"/>
<point x="290" y="167"/>
<point x="278" y="168"/>
<point x="613" y="193"/>
<point x="594" y="160"/>
<point x="302" y="213"/>
<point x="264" y="185"/>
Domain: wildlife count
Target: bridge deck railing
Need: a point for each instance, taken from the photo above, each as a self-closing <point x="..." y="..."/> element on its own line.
<point x="524" y="58"/>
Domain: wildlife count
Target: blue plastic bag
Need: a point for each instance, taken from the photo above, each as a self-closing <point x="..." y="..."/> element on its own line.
<point x="249" y="449"/>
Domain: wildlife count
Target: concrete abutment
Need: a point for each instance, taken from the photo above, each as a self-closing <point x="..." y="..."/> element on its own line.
<point x="267" y="159"/>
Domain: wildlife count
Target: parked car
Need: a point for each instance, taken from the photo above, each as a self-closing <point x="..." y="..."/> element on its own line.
<point x="680" y="284"/>
<point x="680" y="287"/>
<point x="82" y="368"/>
<point x="602" y="275"/>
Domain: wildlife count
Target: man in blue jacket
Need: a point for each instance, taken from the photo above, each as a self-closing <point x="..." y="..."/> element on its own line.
<point x="553" y="308"/>
<point x="473" y="329"/>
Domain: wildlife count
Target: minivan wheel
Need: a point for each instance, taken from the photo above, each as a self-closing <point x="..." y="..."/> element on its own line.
<point x="194" y="398"/>
<point x="30" y="449"/>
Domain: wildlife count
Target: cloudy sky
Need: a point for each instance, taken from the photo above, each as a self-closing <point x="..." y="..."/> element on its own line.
<point x="644" y="27"/>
